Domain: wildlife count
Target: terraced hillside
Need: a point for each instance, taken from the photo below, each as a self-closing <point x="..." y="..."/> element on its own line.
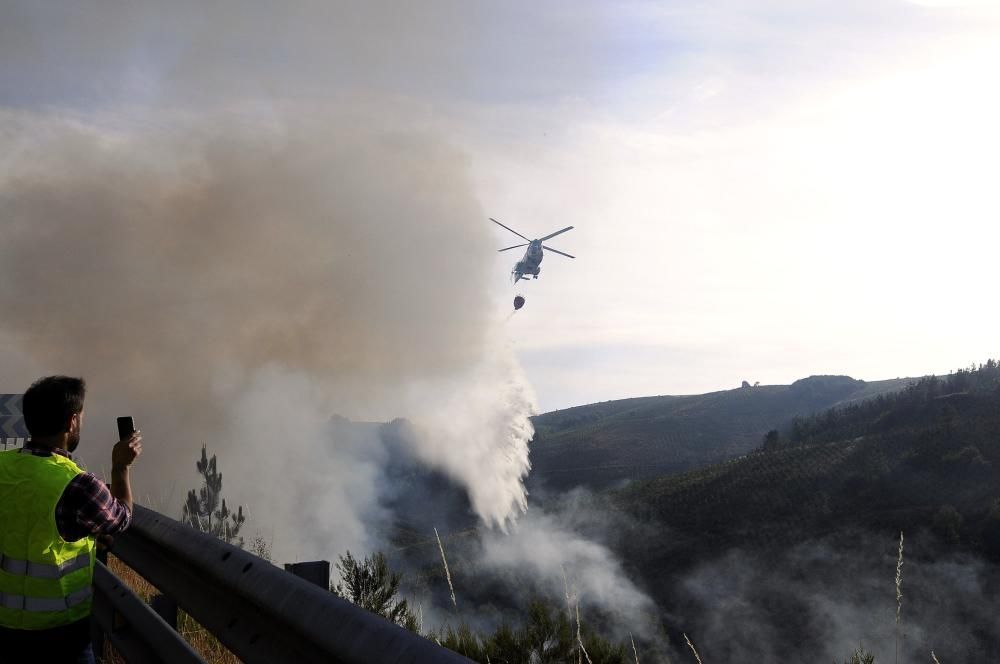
<point x="599" y="445"/>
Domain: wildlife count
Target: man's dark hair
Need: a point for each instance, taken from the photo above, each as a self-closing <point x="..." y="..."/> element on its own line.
<point x="50" y="402"/>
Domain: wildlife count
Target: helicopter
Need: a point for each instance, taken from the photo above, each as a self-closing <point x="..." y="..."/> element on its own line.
<point x="530" y="263"/>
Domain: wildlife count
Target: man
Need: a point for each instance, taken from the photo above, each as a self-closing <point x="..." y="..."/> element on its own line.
<point x="51" y="511"/>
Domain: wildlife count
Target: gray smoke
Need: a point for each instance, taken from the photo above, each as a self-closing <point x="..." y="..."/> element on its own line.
<point x="562" y="552"/>
<point x="233" y="281"/>
<point x="820" y="600"/>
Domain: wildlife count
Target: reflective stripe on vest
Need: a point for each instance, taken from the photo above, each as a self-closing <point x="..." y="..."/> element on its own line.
<point x="44" y="580"/>
<point x="43" y="570"/>
<point x="39" y="604"/>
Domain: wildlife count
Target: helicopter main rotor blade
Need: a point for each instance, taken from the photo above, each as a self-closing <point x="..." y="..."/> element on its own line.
<point x="514" y="247"/>
<point x="510" y="229"/>
<point x="552" y="235"/>
<point x="561" y="253"/>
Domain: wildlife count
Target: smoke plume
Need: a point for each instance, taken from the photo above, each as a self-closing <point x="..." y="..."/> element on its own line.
<point x="234" y="281"/>
<point x="237" y="222"/>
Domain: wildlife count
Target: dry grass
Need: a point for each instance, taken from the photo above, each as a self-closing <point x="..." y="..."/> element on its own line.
<point x="203" y="641"/>
<point x="140" y="586"/>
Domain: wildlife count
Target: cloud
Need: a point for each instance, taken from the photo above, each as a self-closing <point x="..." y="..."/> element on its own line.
<point x="749" y="225"/>
<point x="704" y="152"/>
<point x="93" y="56"/>
<point x="955" y="4"/>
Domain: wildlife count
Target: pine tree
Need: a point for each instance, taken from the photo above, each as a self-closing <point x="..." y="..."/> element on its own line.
<point x="860" y="656"/>
<point x="206" y="509"/>
<point x="370" y="584"/>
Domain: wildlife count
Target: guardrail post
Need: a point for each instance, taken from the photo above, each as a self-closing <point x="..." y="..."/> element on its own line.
<point x="166" y="608"/>
<point x="315" y="571"/>
<point x="100" y="604"/>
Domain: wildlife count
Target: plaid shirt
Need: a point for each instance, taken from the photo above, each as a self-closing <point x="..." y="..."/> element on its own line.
<point x="86" y="506"/>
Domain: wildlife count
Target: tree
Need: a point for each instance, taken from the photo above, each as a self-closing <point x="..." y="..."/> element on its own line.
<point x="370" y="584"/>
<point x="260" y="548"/>
<point x="991" y="530"/>
<point x="947" y="523"/>
<point x="203" y="510"/>
<point x="548" y="636"/>
<point x="799" y="429"/>
<point x="772" y="440"/>
<point x="860" y="656"/>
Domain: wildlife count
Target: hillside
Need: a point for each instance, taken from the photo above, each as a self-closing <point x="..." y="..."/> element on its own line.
<point x="599" y="445"/>
<point x="894" y="460"/>
<point x="816" y="511"/>
<point x="784" y="553"/>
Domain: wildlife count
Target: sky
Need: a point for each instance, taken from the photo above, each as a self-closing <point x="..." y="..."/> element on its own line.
<point x="760" y="190"/>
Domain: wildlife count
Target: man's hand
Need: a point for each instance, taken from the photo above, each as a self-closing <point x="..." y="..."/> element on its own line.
<point x="126" y="451"/>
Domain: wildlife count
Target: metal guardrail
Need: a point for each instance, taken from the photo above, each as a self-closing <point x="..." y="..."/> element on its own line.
<point x="257" y="610"/>
<point x="134" y="629"/>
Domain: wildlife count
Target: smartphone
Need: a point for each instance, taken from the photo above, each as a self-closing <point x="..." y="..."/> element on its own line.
<point x="126" y="427"/>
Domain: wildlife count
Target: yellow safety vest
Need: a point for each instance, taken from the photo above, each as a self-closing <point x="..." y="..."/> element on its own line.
<point x="45" y="581"/>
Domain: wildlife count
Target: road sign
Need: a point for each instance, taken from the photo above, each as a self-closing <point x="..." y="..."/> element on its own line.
<point x="12" y="430"/>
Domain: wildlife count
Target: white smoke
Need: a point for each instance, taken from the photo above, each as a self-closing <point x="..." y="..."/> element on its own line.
<point x="544" y="549"/>
<point x="477" y="431"/>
